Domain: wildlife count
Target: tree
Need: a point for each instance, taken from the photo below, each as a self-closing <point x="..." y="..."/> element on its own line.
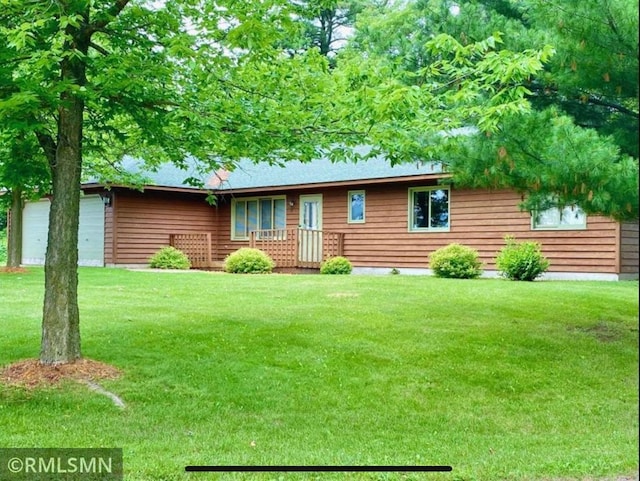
<point x="23" y="175"/>
<point x="171" y="80"/>
<point x="204" y="80"/>
<point x="575" y="142"/>
<point x="325" y="24"/>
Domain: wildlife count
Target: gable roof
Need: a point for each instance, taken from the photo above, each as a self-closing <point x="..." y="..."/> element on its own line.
<point x="248" y="175"/>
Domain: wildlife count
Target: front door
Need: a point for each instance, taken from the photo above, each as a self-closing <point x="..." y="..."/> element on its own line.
<point x="310" y="232"/>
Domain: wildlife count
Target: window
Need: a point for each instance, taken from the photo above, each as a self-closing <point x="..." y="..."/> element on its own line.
<point x="428" y="209"/>
<point x="255" y="214"/>
<point x="571" y="217"/>
<point x="356" y="206"/>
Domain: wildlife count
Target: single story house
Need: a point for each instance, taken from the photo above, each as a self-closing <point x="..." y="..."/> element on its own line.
<point x="380" y="217"/>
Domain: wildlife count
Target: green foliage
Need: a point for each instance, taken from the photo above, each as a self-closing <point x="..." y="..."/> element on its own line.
<point x="3" y="247"/>
<point x="521" y="261"/>
<point x="456" y="261"/>
<point x="562" y="126"/>
<point x="248" y="261"/>
<point x="169" y="258"/>
<point x="23" y="167"/>
<point x="324" y="25"/>
<point x="3" y="216"/>
<point x="336" y="265"/>
<point x="544" y="156"/>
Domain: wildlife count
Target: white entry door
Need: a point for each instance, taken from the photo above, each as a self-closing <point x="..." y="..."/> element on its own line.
<point x="310" y="233"/>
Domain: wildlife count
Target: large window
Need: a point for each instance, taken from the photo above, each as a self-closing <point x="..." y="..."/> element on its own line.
<point x="356" y="200"/>
<point x="571" y="217"/>
<point x="257" y="214"/>
<point x="428" y="209"/>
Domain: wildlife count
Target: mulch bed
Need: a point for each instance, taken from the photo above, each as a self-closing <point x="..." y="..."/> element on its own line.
<point x="31" y="374"/>
<point x="12" y="270"/>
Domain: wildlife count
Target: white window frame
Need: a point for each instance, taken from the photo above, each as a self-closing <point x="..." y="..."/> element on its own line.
<point x="234" y="203"/>
<point x="350" y="219"/>
<point x="559" y="225"/>
<point x="410" y="210"/>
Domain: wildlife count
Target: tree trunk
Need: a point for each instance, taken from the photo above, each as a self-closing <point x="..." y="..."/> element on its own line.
<point x="14" y="247"/>
<point x="61" y="317"/>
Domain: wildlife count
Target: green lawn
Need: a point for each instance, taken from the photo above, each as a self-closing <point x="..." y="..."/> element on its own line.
<point x="501" y="380"/>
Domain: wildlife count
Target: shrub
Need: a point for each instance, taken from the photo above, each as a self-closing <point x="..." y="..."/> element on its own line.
<point x="336" y="265"/>
<point x="456" y="261"/>
<point x="169" y="258"/>
<point x="521" y="261"/>
<point x="248" y="261"/>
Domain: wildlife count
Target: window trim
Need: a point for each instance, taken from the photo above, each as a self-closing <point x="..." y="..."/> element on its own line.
<point x="350" y="194"/>
<point x="257" y="199"/>
<point x="411" y="191"/>
<point x="582" y="226"/>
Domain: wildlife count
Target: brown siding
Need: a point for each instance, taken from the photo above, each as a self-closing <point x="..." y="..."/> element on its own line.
<point x="478" y="218"/>
<point x="225" y="244"/>
<point x="109" y="234"/>
<point x="141" y="222"/>
<point x="629" y="248"/>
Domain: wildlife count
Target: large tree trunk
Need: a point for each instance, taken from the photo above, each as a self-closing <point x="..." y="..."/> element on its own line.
<point x="61" y="317"/>
<point x="14" y="248"/>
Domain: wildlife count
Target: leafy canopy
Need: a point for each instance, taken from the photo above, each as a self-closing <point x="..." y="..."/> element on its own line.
<point x="549" y="90"/>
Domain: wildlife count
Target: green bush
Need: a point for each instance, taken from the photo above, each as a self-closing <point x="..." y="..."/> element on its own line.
<point x="336" y="265"/>
<point x="455" y="261"/>
<point x="248" y="261"/>
<point x="169" y="258"/>
<point x="521" y="261"/>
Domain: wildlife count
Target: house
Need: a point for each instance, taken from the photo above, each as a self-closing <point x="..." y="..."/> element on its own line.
<point x="380" y="217"/>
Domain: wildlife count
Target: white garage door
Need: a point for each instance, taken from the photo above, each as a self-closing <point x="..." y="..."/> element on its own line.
<point x="35" y="222"/>
<point x="90" y="233"/>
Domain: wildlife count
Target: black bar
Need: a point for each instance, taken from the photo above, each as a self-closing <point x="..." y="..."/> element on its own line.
<point x="323" y="469"/>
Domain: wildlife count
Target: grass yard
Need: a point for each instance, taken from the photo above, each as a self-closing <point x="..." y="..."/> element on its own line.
<point x="501" y="380"/>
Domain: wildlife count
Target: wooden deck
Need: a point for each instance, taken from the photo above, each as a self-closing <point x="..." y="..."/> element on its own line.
<point x="289" y="248"/>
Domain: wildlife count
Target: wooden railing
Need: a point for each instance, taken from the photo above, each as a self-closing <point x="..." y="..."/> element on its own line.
<point x="197" y="246"/>
<point x="289" y="248"/>
<point x="279" y="244"/>
<point x="298" y="247"/>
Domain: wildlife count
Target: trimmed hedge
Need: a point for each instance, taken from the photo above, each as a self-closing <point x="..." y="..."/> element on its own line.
<point x="248" y="261"/>
<point x="456" y="261"/>
<point x="169" y="258"/>
<point x="336" y="265"/>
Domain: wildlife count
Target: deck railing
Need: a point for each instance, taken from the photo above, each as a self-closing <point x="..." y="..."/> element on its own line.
<point x="298" y="247"/>
<point x="289" y="248"/>
<point x="279" y="244"/>
<point x="197" y="246"/>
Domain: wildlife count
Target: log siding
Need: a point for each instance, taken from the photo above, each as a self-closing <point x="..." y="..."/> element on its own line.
<point x="629" y="248"/>
<point x="478" y="218"/>
<point x="139" y="224"/>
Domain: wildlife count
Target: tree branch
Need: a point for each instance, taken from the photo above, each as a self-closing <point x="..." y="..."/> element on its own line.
<point x="48" y="146"/>
<point x="99" y="49"/>
<point x="106" y="17"/>
<point x="590" y="98"/>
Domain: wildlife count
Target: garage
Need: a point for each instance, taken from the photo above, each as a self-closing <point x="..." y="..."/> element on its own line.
<point x="90" y="233"/>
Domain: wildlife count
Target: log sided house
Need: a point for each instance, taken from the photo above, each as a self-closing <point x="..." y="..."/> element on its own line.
<point x="378" y="216"/>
